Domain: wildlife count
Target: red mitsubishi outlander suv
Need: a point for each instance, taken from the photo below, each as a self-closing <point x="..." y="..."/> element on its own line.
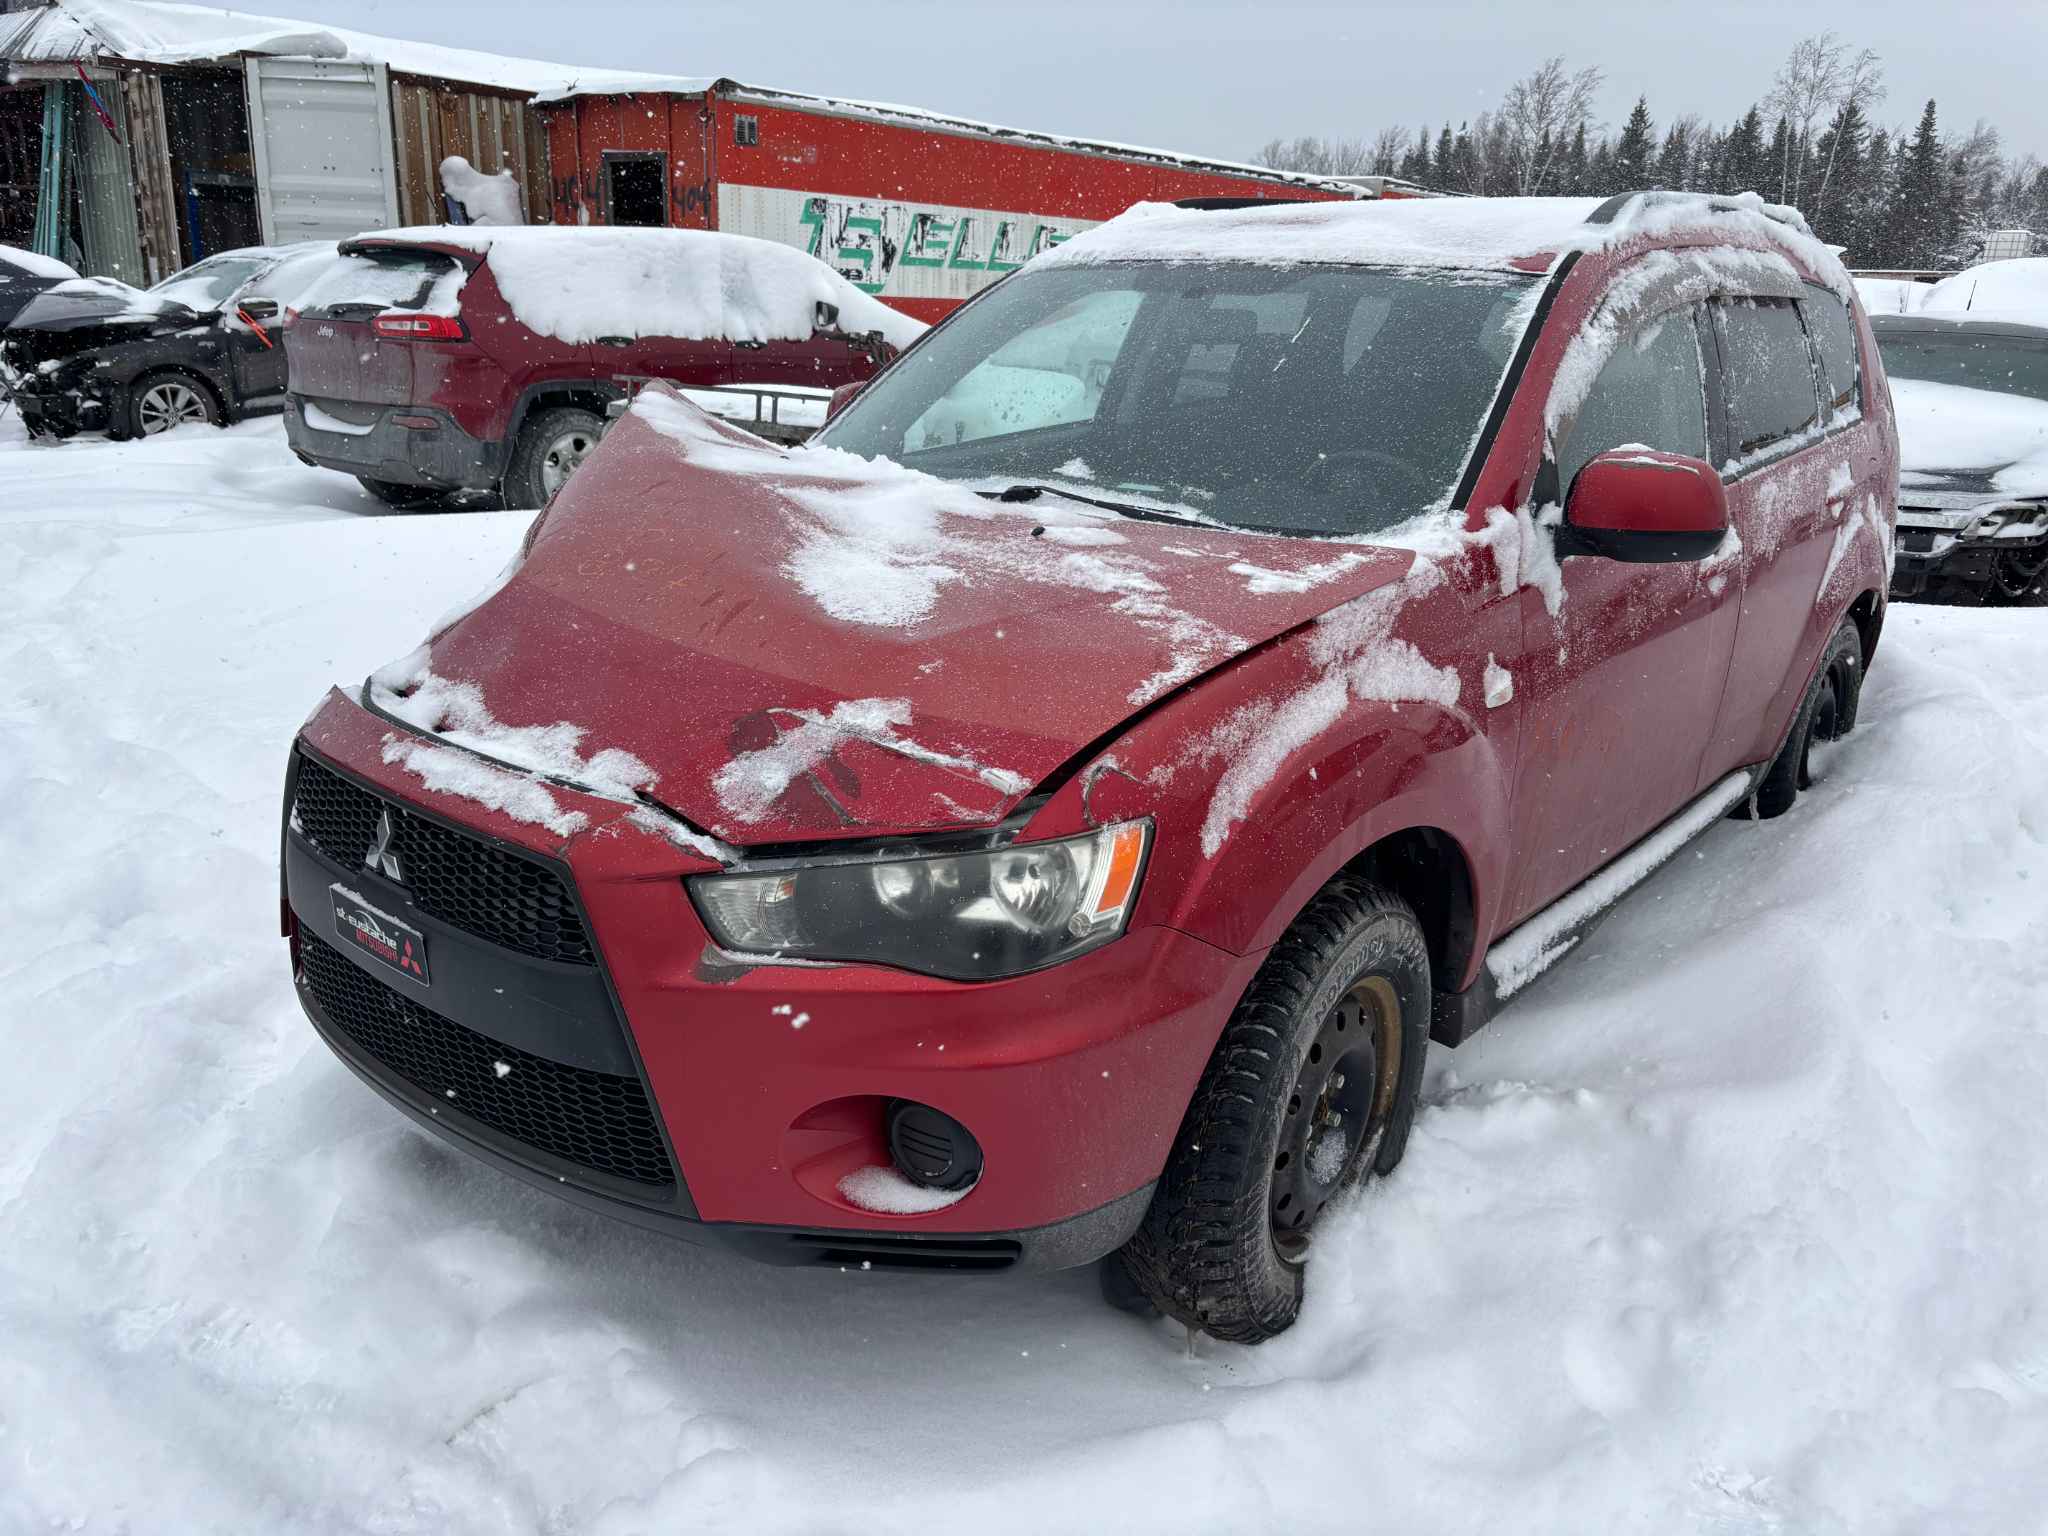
<point x="1048" y="816"/>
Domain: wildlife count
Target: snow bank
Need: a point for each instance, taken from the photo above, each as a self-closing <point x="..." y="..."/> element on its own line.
<point x="580" y="284"/>
<point x="1732" y="1226"/>
<point x="2017" y="289"/>
<point x="485" y="199"/>
<point x="1891" y="295"/>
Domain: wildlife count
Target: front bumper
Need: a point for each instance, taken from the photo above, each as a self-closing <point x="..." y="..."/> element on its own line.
<point x="59" y="410"/>
<point x="1938" y="553"/>
<point x="769" y="1082"/>
<point x="440" y="456"/>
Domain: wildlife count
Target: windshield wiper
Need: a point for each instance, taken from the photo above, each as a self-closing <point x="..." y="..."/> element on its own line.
<point x="1027" y="491"/>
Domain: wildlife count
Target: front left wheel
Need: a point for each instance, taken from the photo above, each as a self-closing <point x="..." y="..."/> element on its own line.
<point x="168" y="400"/>
<point x="1311" y="1089"/>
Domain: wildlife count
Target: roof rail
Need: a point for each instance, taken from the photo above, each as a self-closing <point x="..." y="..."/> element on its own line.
<point x="1610" y="212"/>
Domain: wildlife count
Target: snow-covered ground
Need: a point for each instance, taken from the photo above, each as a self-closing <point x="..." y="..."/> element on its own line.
<point x="1734" y="1223"/>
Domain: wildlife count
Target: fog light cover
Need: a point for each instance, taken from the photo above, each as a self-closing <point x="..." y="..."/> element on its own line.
<point x="932" y="1148"/>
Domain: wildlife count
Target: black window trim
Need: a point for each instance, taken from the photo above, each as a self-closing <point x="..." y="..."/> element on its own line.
<point x="1735" y="465"/>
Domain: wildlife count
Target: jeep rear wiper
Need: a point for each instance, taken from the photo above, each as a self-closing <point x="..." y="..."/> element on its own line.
<point x="1027" y="491"/>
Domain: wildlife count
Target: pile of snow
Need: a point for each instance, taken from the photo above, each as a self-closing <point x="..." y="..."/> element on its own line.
<point x="484" y="199"/>
<point x="1891" y="295"/>
<point x="34" y="264"/>
<point x="577" y="284"/>
<point x="2016" y="288"/>
<point x="1732" y="1223"/>
<point x="887" y="1192"/>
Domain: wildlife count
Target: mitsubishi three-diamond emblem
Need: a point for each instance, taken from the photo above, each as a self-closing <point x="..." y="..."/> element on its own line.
<point x="381" y="859"/>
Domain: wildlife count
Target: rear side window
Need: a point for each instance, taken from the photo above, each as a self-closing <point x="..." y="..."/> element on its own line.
<point x="1650" y="392"/>
<point x="1770" y="387"/>
<point x="370" y="282"/>
<point x="1834" y="338"/>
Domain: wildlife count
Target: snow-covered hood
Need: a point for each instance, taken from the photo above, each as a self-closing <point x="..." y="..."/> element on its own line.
<point x="793" y="644"/>
<point x="92" y="301"/>
<point x="1964" y="441"/>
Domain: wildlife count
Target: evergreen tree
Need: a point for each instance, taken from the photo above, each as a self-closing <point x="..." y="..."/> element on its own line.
<point x="1832" y="194"/>
<point x="1742" y="158"/>
<point x="1575" y="172"/>
<point x="1776" y="168"/>
<point x="1920" y="210"/>
<point x="1632" y="151"/>
<point x="1446" y="151"/>
<point x="1674" y="160"/>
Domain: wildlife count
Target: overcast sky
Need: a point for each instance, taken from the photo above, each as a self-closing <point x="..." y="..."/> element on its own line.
<point x="1220" y="79"/>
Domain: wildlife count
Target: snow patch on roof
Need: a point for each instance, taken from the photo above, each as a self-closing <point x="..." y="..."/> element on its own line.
<point x="577" y="284"/>
<point x="159" y="32"/>
<point x="34" y="264"/>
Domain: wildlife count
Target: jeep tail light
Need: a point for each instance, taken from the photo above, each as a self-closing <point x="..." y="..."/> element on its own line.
<point x="400" y="325"/>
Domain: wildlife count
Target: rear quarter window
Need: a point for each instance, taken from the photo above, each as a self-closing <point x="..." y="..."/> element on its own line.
<point x="1834" y="339"/>
<point x="1769" y="373"/>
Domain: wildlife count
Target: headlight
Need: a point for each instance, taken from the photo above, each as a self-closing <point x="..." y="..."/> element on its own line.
<point x="968" y="916"/>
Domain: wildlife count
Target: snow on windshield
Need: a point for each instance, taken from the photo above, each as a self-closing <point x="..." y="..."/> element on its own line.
<point x="1949" y="428"/>
<point x="579" y="284"/>
<point x="204" y="286"/>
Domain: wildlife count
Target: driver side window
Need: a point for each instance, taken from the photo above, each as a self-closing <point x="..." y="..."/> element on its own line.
<point x="1651" y="392"/>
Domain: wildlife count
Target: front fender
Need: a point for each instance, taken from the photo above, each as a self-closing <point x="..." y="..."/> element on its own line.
<point x="1326" y="781"/>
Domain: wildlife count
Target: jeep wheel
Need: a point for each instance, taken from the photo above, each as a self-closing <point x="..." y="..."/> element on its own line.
<point x="1311" y="1087"/>
<point x="169" y="400"/>
<point x="550" y="446"/>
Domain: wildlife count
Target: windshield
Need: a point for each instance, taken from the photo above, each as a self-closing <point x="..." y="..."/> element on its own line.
<point x="1304" y="399"/>
<point x="2008" y="365"/>
<point x="204" y="286"/>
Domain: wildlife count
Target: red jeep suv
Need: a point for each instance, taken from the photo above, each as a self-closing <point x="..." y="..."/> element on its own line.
<point x="1047" y="816"/>
<point x="432" y="360"/>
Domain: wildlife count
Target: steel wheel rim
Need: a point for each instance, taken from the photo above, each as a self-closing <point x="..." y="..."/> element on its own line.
<point x="562" y="457"/>
<point x="1336" y="1112"/>
<point x="169" y="405"/>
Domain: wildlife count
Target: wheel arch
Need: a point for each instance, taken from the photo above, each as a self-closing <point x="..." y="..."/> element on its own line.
<point x="144" y="377"/>
<point x="583" y="394"/>
<point x="1429" y="869"/>
<point x="1868" y="613"/>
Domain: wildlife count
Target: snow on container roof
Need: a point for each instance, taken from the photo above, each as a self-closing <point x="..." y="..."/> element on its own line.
<point x="592" y="83"/>
<point x="160" y="32"/>
<point x="580" y="283"/>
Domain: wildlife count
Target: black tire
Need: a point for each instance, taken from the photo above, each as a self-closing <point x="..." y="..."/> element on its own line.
<point x="169" y="399"/>
<point x="542" y="458"/>
<point x="1224" y="1246"/>
<point x="403" y="497"/>
<point x="1826" y="714"/>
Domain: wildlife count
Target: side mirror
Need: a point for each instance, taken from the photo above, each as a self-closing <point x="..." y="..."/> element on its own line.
<point x="825" y="317"/>
<point x="842" y="397"/>
<point x="1639" y="505"/>
<point x="259" y="309"/>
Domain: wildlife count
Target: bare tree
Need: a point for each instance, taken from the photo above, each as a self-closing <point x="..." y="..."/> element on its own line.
<point x="1321" y="157"/>
<point x="1819" y="76"/>
<point x="1387" y="146"/>
<point x="1539" y="115"/>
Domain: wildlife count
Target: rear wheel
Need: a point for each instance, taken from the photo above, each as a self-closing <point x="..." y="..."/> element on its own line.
<point x="550" y="447"/>
<point x="1311" y="1089"/>
<point x="1826" y="715"/>
<point x="168" y="400"/>
<point x="404" y="497"/>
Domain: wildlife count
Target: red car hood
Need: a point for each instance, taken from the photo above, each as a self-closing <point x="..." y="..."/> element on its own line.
<point x="793" y="644"/>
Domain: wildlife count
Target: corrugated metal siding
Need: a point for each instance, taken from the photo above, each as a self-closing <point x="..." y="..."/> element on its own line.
<point x="493" y="132"/>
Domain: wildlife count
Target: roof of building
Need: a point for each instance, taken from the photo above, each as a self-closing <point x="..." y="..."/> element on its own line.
<point x="160" y="32"/>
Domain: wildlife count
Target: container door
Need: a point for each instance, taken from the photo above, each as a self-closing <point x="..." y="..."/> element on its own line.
<point x="322" y="137"/>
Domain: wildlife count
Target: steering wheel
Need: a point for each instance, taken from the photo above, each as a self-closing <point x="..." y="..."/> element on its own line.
<point x="1323" y="464"/>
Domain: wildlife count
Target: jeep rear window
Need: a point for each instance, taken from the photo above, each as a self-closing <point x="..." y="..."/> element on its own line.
<point x="1305" y="399"/>
<point x="370" y="282"/>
